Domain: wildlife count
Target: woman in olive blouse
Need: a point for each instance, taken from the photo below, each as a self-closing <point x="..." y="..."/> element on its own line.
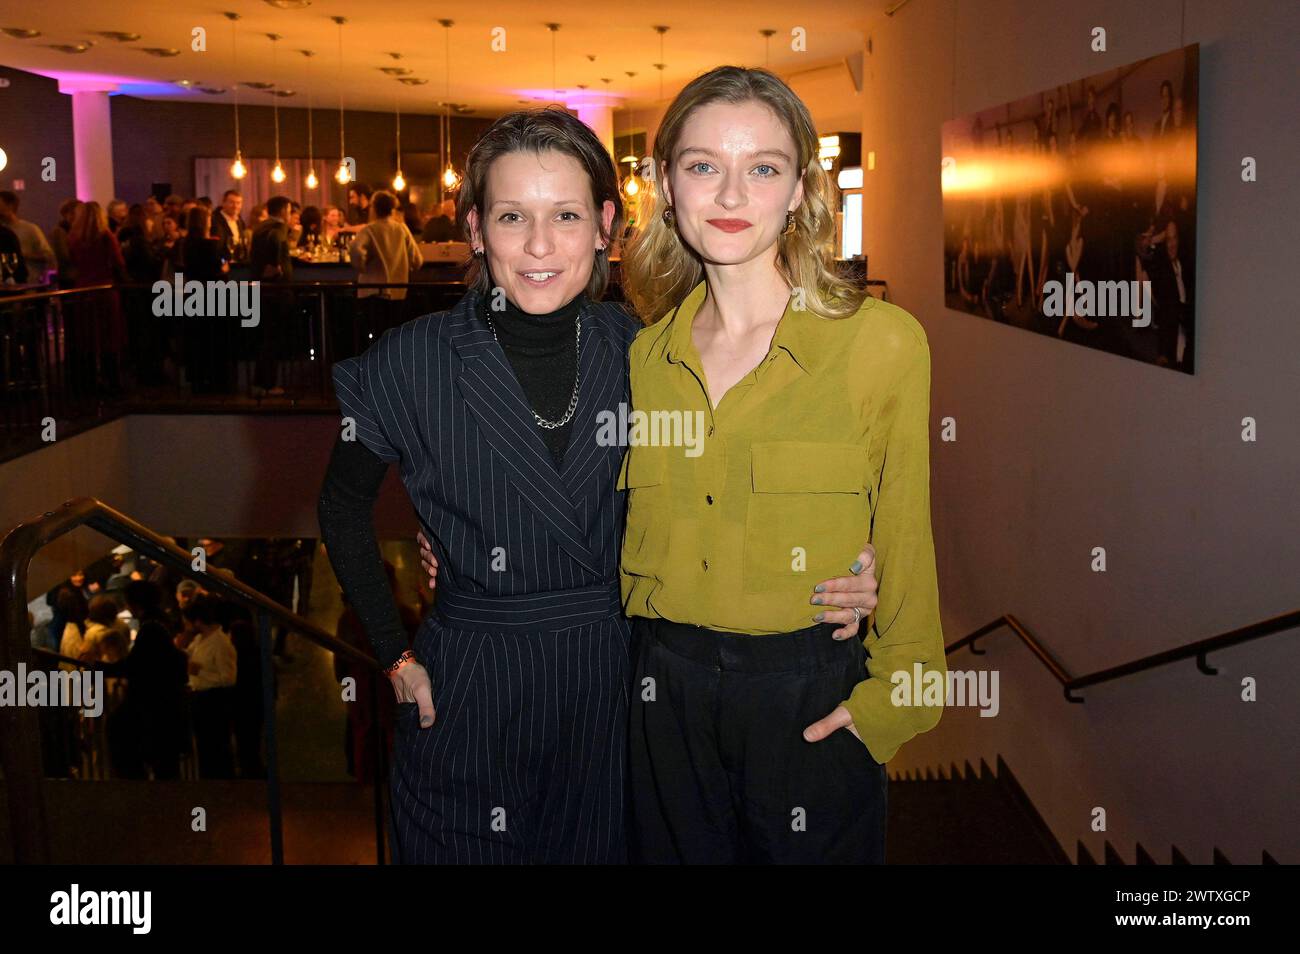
<point x="756" y="737"/>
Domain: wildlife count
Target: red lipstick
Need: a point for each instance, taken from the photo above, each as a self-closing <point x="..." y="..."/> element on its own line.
<point x="730" y="225"/>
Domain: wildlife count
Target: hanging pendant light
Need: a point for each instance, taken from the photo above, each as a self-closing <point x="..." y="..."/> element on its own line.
<point x="310" y="181"/>
<point x="237" y="168"/>
<point x="629" y="157"/>
<point x="343" y="175"/>
<point x="631" y="185"/>
<point x="450" y="178"/>
<point x="661" y="30"/>
<point x="277" y="171"/>
<point x="399" y="180"/>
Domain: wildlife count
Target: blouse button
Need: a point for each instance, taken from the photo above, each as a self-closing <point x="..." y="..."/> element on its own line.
<point x="705" y="564"/>
<point x="709" y="498"/>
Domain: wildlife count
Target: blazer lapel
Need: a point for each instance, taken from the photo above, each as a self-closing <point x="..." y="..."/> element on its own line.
<point x="494" y="397"/>
<point x="603" y="385"/>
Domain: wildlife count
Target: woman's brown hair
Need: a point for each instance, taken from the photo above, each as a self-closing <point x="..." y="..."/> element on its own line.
<point x="539" y="130"/>
<point x="198" y="221"/>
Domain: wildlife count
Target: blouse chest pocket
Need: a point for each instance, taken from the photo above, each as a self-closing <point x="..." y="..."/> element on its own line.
<point x="644" y="475"/>
<point x="808" y="513"/>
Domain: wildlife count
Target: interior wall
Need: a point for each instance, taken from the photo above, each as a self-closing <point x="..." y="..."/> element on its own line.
<point x="218" y="475"/>
<point x="1060" y="449"/>
<point x="36" y="122"/>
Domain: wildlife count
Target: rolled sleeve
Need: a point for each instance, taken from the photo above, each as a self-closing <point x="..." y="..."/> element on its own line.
<point x="905" y="631"/>
<point x="368" y="400"/>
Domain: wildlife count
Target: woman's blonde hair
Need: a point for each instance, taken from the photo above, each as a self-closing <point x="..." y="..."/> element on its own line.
<point x="659" y="269"/>
<point x="89" y="224"/>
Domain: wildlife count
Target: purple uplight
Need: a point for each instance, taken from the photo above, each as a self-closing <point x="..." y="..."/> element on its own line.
<point x="76" y="81"/>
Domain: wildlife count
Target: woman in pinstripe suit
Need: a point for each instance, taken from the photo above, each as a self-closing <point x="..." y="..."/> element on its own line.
<point x="511" y="737"/>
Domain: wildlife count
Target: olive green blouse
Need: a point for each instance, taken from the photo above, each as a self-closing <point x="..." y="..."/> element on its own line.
<point x="736" y="512"/>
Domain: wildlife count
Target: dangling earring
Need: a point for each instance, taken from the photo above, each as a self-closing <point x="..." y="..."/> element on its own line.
<point x="668" y="216"/>
<point x="789" y="224"/>
<point x="478" y="253"/>
<point x="600" y="251"/>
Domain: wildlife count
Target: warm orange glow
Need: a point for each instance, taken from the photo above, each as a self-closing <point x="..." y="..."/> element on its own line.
<point x="977" y="173"/>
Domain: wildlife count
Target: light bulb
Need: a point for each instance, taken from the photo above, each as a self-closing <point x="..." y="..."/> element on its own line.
<point x="449" y="178"/>
<point x="630" y="187"/>
<point x="343" y="176"/>
<point x="4" y="159"/>
<point x="311" y="181"/>
<point x="237" y="169"/>
<point x="277" y="174"/>
<point x="398" y="182"/>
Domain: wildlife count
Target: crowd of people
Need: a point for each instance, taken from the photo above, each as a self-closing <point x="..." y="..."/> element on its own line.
<point x="141" y="243"/>
<point x="183" y="666"/>
<point x="189" y="678"/>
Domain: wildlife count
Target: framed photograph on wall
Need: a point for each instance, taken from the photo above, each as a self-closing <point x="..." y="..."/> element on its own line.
<point x="1072" y="212"/>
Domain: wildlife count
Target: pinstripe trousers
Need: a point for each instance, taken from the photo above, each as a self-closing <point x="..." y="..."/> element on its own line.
<point x="525" y="760"/>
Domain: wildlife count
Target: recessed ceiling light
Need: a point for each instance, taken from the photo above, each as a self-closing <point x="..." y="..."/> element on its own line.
<point x="69" y="47"/>
<point x="257" y="85"/>
<point x="211" y="90"/>
<point x="119" y="35"/>
<point x="411" y="80"/>
<point x="282" y="93"/>
<point x="289" y="4"/>
<point x="395" y="70"/>
<point x="19" y="33"/>
<point x="160" y="51"/>
<point x="186" y="83"/>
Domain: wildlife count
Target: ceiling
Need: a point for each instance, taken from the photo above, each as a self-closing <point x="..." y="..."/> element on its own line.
<point x="620" y="37"/>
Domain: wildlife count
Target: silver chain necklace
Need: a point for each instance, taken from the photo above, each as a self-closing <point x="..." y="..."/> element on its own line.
<point x="577" y="377"/>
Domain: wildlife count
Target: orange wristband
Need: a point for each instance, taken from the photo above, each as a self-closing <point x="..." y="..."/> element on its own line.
<point x="406" y="657"/>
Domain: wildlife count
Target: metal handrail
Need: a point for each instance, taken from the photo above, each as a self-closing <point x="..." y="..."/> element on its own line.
<point x="53" y="293"/>
<point x="1198" y="649"/>
<point x="20" y="750"/>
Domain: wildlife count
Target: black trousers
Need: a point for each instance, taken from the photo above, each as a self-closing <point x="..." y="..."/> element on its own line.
<point x="719" y="771"/>
<point x="524" y="763"/>
<point x="211" y="712"/>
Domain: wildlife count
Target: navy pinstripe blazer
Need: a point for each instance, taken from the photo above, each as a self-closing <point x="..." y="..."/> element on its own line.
<point x="519" y="545"/>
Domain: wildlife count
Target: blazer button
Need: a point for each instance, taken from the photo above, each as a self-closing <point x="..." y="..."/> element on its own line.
<point x="705" y="564"/>
<point x="709" y="498"/>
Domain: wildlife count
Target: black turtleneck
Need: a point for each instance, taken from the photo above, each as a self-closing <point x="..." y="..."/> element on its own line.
<point x="542" y="350"/>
